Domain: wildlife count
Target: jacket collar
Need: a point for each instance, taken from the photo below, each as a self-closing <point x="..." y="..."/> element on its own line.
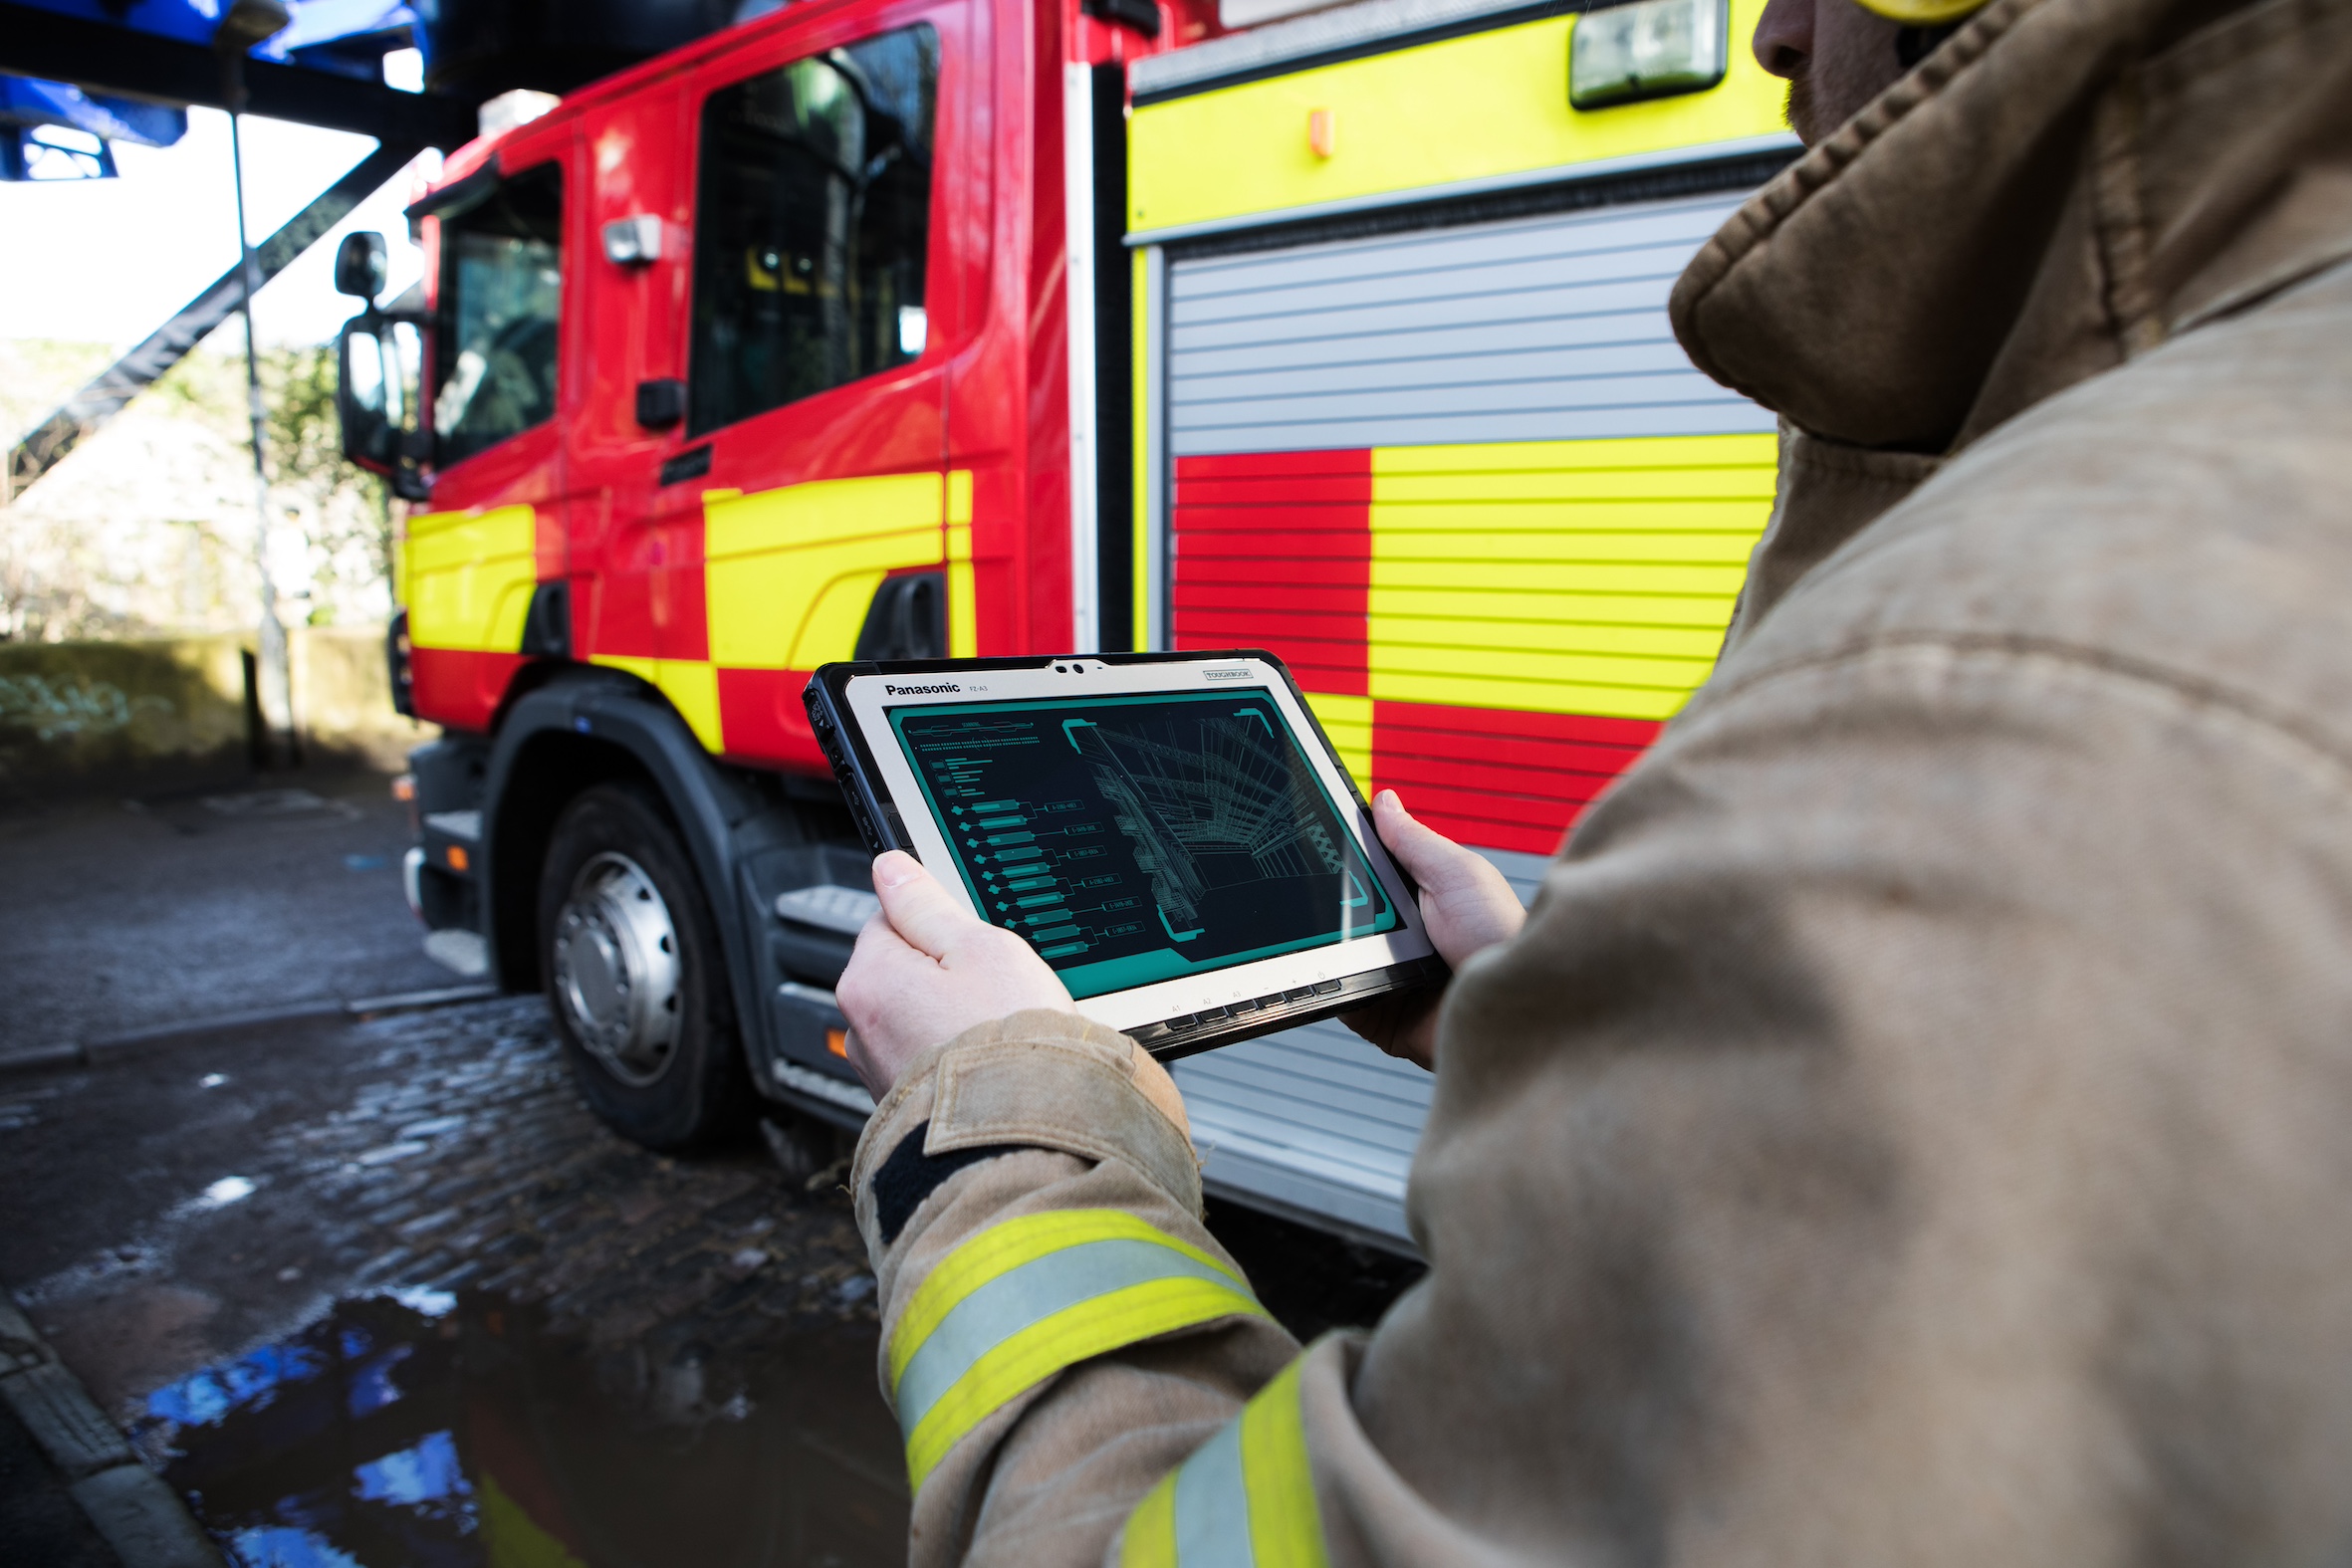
<point x="2063" y="185"/>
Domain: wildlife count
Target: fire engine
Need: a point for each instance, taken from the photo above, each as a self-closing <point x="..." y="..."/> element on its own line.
<point x="919" y="328"/>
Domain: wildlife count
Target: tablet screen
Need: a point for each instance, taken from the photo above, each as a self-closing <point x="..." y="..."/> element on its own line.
<point x="1137" y="840"/>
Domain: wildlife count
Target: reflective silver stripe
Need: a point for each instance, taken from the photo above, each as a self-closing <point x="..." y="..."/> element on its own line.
<point x="1020" y="1296"/>
<point x="1212" y="1505"/>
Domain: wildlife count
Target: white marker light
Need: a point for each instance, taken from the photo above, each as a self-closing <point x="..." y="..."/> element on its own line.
<point x="914" y="329"/>
<point x="1650" y="49"/>
<point x="633" y="240"/>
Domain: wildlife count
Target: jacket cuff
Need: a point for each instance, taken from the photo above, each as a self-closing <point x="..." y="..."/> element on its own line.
<point x="1043" y="1078"/>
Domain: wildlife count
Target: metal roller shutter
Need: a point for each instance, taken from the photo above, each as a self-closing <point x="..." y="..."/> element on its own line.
<point x="1314" y="1122"/>
<point x="1550" y="328"/>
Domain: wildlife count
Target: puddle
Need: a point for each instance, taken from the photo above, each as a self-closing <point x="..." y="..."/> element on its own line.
<point x="430" y="1430"/>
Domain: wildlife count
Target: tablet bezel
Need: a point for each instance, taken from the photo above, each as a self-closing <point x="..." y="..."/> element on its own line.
<point x="1170" y="1017"/>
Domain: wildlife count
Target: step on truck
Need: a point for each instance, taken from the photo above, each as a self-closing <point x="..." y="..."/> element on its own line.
<point x="901" y="328"/>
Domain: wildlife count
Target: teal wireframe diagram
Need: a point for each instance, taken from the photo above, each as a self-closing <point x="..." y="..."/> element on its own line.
<point x="1143" y="838"/>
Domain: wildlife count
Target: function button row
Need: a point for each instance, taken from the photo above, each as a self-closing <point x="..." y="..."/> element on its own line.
<point x="1275" y="1000"/>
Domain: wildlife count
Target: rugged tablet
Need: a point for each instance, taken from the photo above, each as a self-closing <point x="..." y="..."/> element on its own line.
<point x="1172" y="832"/>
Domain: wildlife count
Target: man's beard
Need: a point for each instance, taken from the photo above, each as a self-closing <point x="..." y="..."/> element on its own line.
<point x="1799" y="110"/>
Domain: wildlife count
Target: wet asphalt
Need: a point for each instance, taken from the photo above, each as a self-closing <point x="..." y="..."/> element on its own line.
<point x="126" y="913"/>
<point x="381" y="1290"/>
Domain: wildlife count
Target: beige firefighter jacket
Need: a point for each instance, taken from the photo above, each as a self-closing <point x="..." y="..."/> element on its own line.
<point x="1916" y="1122"/>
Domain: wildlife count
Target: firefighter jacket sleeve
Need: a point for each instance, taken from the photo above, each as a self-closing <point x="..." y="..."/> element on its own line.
<point x="1059" y="1329"/>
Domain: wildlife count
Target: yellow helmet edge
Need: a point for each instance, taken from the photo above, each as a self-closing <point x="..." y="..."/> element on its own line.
<point x="1922" y="13"/>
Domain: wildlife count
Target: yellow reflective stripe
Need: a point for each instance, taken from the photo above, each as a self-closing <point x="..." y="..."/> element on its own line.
<point x="1005" y="1246"/>
<point x="1150" y="1537"/>
<point x="1285" y="1526"/>
<point x="1244" y="1499"/>
<point x="1028" y="1295"/>
<point x="1032" y="1295"/>
<point x="1065" y="1339"/>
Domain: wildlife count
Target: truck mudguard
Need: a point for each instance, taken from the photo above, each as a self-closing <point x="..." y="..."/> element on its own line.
<point x="547" y="737"/>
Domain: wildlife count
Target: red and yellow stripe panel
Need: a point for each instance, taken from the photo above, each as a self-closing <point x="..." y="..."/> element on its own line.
<point x="787" y="577"/>
<point x="466" y="579"/>
<point x="1495" y="630"/>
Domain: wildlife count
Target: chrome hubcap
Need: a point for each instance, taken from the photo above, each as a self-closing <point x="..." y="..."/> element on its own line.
<point x="617" y="969"/>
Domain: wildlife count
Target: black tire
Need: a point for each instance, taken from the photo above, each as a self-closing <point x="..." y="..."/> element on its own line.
<point x="634" y="975"/>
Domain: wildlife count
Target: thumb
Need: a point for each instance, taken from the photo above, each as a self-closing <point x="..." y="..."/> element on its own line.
<point x="919" y="909"/>
<point x="1434" y="860"/>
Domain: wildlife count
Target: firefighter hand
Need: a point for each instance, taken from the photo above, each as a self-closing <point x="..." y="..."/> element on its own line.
<point x="925" y="970"/>
<point x="1468" y="908"/>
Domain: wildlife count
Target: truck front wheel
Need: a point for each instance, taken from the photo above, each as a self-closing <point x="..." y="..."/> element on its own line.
<point x="633" y="973"/>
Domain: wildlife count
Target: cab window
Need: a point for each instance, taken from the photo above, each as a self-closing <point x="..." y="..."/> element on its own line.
<point x="812" y="216"/>
<point x="501" y="282"/>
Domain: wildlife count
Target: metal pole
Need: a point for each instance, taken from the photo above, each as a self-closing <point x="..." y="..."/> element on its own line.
<point x="274" y="679"/>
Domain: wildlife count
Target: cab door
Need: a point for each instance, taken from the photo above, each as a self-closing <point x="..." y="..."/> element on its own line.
<point x="808" y="466"/>
<point x="635" y="583"/>
<point x="471" y="563"/>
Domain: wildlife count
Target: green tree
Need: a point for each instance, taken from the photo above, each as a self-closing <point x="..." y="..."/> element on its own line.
<point x="346" y="510"/>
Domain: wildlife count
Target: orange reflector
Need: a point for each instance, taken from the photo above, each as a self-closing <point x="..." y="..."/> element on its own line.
<point x="1322" y="139"/>
<point x="404" y="788"/>
<point x="458" y="860"/>
<point x="837" y="1041"/>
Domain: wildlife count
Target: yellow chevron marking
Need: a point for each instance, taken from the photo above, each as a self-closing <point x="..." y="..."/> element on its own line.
<point x="467" y="576"/>
<point x="790" y="572"/>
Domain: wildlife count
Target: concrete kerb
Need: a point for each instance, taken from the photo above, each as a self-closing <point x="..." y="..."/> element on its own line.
<point x="136" y="1043"/>
<point x="139" y="1517"/>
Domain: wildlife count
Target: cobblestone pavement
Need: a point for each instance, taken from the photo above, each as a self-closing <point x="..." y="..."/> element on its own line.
<point x="388" y="1290"/>
<point x="467" y="1161"/>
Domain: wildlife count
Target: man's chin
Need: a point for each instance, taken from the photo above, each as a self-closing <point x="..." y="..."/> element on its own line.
<point x="1800" y="113"/>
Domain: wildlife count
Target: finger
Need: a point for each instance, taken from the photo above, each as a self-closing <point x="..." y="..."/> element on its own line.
<point x="919" y="909"/>
<point x="877" y="965"/>
<point x="1435" y="860"/>
<point x="1400" y="1023"/>
<point x="879" y="946"/>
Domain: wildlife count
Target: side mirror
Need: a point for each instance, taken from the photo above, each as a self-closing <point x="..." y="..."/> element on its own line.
<point x="360" y="268"/>
<point x="375" y="384"/>
<point x="365" y="388"/>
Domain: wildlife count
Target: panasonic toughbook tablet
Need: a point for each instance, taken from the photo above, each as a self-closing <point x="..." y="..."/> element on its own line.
<point x="1173" y="833"/>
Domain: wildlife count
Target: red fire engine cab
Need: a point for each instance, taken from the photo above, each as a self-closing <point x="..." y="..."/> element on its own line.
<point x="748" y="359"/>
<point x="842" y="333"/>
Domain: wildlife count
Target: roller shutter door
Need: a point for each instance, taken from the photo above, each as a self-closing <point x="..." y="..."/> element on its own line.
<point x="1550" y="328"/>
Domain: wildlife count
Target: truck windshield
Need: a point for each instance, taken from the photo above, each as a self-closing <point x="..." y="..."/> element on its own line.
<point x="500" y="282"/>
<point x="812" y="217"/>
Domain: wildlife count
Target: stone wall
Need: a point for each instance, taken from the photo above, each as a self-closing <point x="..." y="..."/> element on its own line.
<point x="178" y="710"/>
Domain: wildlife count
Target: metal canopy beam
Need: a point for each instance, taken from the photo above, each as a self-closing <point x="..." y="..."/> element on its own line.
<point x="127" y="378"/>
<point x="97" y="57"/>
